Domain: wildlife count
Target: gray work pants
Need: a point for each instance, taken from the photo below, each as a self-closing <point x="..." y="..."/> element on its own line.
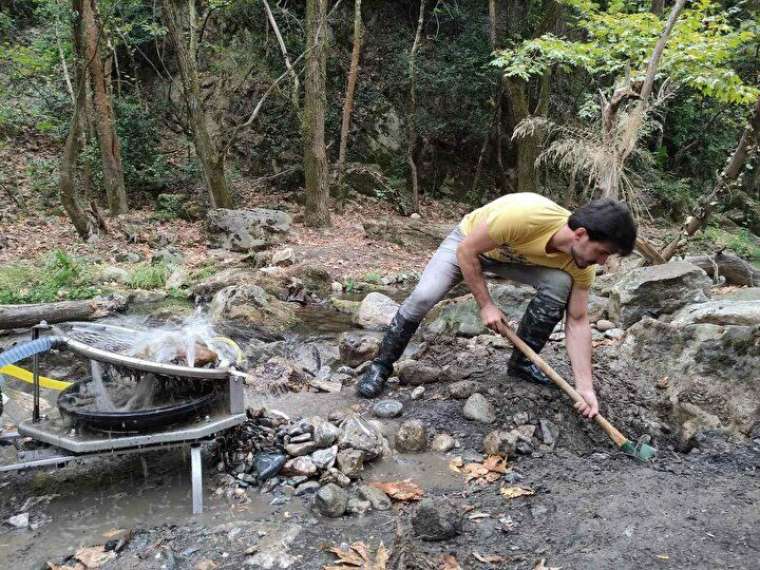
<point x="442" y="273"/>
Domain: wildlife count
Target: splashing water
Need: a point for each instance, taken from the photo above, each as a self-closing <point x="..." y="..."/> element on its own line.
<point x="102" y="397"/>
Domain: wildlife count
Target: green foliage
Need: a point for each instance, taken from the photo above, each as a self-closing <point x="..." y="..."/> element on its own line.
<point x="60" y="277"/>
<point x="42" y="174"/>
<point x="373" y="277"/>
<point x="742" y="242"/>
<point x="144" y="165"/>
<point x="148" y="276"/>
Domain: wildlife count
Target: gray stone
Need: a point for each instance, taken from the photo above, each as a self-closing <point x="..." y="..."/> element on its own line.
<point x="300" y="466"/>
<point x="129" y="257"/>
<point x="479" y="409"/>
<point x="325" y="434"/>
<point x="355" y="349"/>
<point x="167" y="256"/>
<point x="358" y="506"/>
<point x="350" y="462"/>
<point x="417" y="393"/>
<point x="113" y="274"/>
<point x="329" y="386"/>
<point x="250" y="304"/>
<point x="437" y="521"/>
<point x="442" y="443"/>
<point x="615" y="334"/>
<point x="283" y="257"/>
<point x="387" y="409"/>
<point x="331" y="501"/>
<point x="521" y="418"/>
<point x="179" y="278"/>
<point x="549" y="432"/>
<point x="298" y="449"/>
<point x="377" y="497"/>
<point x="463" y="389"/>
<point x="723" y="312"/>
<point x="411" y="436"/>
<point x="325" y="458"/>
<point x="333" y="475"/>
<point x="245" y="230"/>
<point x="604" y="325"/>
<point x="657" y="290"/>
<point x="19" y="521"/>
<point x="500" y="442"/>
<point x="307" y="487"/>
<point x="357" y="433"/>
<point x="376" y="311"/>
<point x="412" y="372"/>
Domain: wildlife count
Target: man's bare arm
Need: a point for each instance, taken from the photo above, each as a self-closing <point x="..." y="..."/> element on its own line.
<point x="467" y="256"/>
<point x="578" y="341"/>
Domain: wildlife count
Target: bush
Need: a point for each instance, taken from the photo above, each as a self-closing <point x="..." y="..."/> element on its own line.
<point x="147" y="276"/>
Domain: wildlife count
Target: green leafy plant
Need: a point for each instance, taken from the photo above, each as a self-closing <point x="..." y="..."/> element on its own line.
<point x="147" y="276"/>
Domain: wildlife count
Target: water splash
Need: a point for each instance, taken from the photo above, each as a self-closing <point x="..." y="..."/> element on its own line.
<point x="102" y="397"/>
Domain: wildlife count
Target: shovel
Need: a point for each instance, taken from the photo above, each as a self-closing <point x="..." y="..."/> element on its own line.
<point x="639" y="450"/>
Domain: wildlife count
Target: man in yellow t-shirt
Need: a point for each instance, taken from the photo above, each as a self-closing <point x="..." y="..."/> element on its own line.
<point x="527" y="238"/>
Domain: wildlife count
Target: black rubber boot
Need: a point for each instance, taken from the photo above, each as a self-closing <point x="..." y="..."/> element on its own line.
<point x="396" y="338"/>
<point x="538" y="322"/>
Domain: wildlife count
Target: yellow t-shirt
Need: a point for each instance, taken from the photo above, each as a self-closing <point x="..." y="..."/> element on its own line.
<point x="523" y="224"/>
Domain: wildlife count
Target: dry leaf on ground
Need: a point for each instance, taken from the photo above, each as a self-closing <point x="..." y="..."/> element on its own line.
<point x="358" y="556"/>
<point x="400" y="490"/>
<point x="449" y="562"/>
<point x="489" y="471"/>
<point x="94" y="556"/>
<point x="206" y="564"/>
<point x="541" y="565"/>
<point x="516" y="491"/>
<point x="488" y="558"/>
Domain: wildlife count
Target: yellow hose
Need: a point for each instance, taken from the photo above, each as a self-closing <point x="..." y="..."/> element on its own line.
<point x="25" y="375"/>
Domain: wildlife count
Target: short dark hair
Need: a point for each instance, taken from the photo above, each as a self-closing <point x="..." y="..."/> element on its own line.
<point x="608" y="221"/>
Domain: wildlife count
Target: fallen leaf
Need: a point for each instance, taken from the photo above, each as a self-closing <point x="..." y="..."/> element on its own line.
<point x="514" y="492"/>
<point x="541" y="565"/>
<point x="476" y="516"/>
<point x="456" y="464"/>
<point x="488" y="558"/>
<point x="358" y="556"/>
<point x="205" y="564"/>
<point x="400" y="490"/>
<point x="492" y="468"/>
<point x="94" y="556"/>
<point x="114" y="533"/>
<point x="663" y="557"/>
<point x="448" y="562"/>
<point x="495" y="463"/>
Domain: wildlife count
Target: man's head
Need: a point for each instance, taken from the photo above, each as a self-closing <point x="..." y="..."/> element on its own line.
<point x="601" y="228"/>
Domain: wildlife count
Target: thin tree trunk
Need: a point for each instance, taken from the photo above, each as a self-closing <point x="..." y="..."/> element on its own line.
<point x="110" y="147"/>
<point x="348" y="104"/>
<point x="658" y="7"/>
<point x="71" y="148"/>
<point x="206" y="148"/>
<point x="412" y="114"/>
<point x="295" y="94"/>
<point x="749" y="139"/>
<point x="317" y="213"/>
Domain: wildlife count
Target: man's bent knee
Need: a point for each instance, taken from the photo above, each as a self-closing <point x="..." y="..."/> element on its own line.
<point x="556" y="284"/>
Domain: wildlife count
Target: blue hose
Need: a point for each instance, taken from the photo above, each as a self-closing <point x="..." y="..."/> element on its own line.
<point x="22" y="351"/>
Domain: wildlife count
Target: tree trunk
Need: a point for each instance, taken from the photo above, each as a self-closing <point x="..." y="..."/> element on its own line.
<point x="412" y="114"/>
<point x="317" y="213"/>
<point x="750" y="137"/>
<point x="71" y="148"/>
<point x="658" y="7"/>
<point x="735" y="270"/>
<point x="110" y="148"/>
<point x="295" y="94"/>
<point x="22" y="316"/>
<point x="207" y="149"/>
<point x="348" y="104"/>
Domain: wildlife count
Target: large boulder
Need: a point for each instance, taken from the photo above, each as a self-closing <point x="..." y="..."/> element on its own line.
<point x="245" y="230"/>
<point x="461" y="316"/>
<point x="724" y="312"/>
<point x="657" y="290"/>
<point x="376" y="311"/>
<point x="711" y="371"/>
<point x="250" y="304"/>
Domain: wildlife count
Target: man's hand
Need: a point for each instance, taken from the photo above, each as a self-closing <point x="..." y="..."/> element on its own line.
<point x="590" y="407"/>
<point x="493" y="318"/>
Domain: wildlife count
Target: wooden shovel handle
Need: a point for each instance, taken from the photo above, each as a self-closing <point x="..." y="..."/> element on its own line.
<point x="611" y="430"/>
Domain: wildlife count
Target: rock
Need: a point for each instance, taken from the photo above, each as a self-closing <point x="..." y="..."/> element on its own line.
<point x="113" y="274"/>
<point x="387" y="409"/>
<point x="500" y="442"/>
<point x="723" y="312"/>
<point x="596" y="307"/>
<point x="525" y="432"/>
<point x="234" y="276"/>
<point x="657" y="290"/>
<point x="350" y="462"/>
<point x="479" y="409"/>
<point x="19" y="521"/>
<point x="358" y="506"/>
<point x="299" y="449"/>
<point x="306" y="488"/>
<point x="283" y="257"/>
<point x="463" y="389"/>
<point x="331" y="501"/>
<point x="325" y="434"/>
<point x="604" y="325"/>
<point x="355" y="349"/>
<point x="615" y="334"/>
<point x="376" y="311"/>
<point x="300" y="466"/>
<point x="167" y="256"/>
<point x="333" y="475"/>
<point x="436" y="521"/>
<point x="357" y="433"/>
<point x="740" y="294"/>
<point x="330" y="386"/>
<point x="442" y="443"/>
<point x="549" y="432"/>
<point x="268" y="465"/>
<point x="377" y="497"/>
<point x="521" y="418"/>
<point x="179" y="278"/>
<point x="412" y="372"/>
<point x="415" y="216"/>
<point x="411" y="436"/>
<point x="251" y="305"/>
<point x="129" y="257"/>
<point x="417" y="393"/>
<point x="325" y="458"/>
<point x="245" y="230"/>
<point x="336" y="287"/>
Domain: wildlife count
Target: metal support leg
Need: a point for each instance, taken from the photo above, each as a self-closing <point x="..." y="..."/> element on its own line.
<point x="36" y="379"/>
<point x="196" y="472"/>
